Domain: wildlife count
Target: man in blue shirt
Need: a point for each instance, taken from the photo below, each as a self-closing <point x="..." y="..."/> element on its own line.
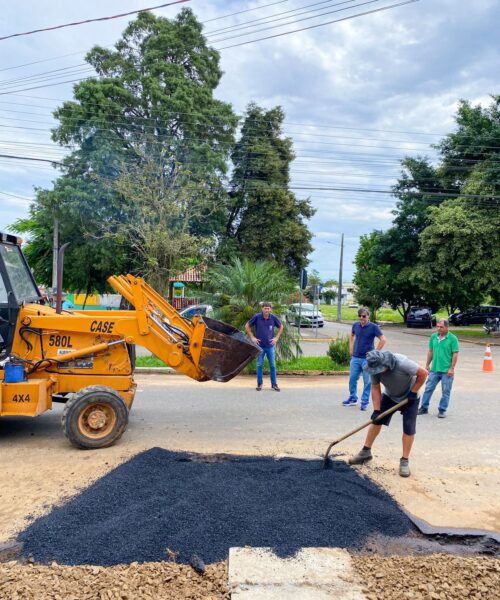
<point x="265" y="323"/>
<point x="361" y="342"/>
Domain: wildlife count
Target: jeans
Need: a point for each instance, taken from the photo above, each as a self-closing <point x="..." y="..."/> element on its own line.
<point x="355" y="370"/>
<point x="271" y="357"/>
<point x="432" y="381"/>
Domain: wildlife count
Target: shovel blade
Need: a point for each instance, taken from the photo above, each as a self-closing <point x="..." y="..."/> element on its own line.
<point x="225" y="351"/>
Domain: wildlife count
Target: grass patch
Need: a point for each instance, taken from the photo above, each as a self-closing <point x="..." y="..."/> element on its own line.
<point x="149" y="361"/>
<point x="304" y="363"/>
<point x="383" y="314"/>
<point x="464" y="332"/>
<point x="351" y="314"/>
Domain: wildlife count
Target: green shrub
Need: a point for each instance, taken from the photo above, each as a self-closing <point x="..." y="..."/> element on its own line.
<point x="338" y="350"/>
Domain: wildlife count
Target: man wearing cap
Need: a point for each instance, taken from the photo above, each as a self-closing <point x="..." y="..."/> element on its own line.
<point x="402" y="378"/>
<point x="265" y="323"/>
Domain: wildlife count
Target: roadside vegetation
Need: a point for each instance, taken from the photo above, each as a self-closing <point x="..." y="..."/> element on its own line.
<point x="303" y="363"/>
<point x="443" y="249"/>
<point x="389" y="315"/>
<point x="338" y="350"/>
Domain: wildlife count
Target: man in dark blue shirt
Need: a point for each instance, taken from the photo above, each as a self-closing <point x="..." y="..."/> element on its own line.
<point x="265" y="323"/>
<point x="361" y="342"/>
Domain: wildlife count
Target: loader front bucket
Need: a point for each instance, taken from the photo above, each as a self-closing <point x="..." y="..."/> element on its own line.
<point x="225" y="351"/>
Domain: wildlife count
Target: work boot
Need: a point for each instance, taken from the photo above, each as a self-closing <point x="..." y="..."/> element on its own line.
<point x="362" y="457"/>
<point x="404" y="467"/>
<point x="275" y="387"/>
<point x="259" y="387"/>
<point x="441" y="414"/>
<point x="423" y="411"/>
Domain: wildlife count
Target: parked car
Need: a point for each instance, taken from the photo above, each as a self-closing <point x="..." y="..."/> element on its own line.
<point x="473" y="316"/>
<point x="420" y="316"/>
<point x="310" y="316"/>
<point x="205" y="310"/>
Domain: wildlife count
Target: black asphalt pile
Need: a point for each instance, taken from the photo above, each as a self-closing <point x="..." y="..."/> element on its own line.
<point x="162" y="504"/>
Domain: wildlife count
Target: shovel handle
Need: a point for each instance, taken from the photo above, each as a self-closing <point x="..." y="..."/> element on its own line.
<point x="389" y="411"/>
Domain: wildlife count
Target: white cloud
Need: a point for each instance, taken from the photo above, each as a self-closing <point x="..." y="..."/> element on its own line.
<point x="402" y="70"/>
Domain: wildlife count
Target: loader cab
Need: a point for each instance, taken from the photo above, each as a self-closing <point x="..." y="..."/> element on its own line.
<point x="17" y="287"/>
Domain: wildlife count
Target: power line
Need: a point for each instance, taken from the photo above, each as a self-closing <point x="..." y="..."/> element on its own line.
<point x="216" y="41"/>
<point x="322" y="125"/>
<point x="261" y="39"/>
<point x="119" y="16"/>
<point x="369" y="12"/>
<point x="36" y="62"/>
<point x="270" y="19"/>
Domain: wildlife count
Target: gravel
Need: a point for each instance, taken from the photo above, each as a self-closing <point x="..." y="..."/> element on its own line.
<point x="162" y="504"/>
<point x="434" y="577"/>
<point x="152" y="581"/>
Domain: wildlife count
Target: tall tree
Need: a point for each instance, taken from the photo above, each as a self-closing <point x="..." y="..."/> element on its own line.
<point x="266" y="220"/>
<point x="460" y="254"/>
<point x="460" y="248"/>
<point x="371" y="277"/>
<point x="418" y="188"/>
<point x="151" y="103"/>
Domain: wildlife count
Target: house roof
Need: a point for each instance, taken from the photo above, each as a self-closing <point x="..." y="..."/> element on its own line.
<point x="193" y="274"/>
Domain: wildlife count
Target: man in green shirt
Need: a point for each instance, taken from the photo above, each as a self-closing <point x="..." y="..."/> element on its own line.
<point x="441" y="358"/>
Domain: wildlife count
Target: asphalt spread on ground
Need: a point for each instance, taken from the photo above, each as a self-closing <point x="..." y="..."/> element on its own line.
<point x="162" y="504"/>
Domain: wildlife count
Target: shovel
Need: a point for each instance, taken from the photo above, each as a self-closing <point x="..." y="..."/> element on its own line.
<point x="327" y="463"/>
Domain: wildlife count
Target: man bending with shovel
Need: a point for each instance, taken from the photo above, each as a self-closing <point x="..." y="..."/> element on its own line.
<point x="402" y="378"/>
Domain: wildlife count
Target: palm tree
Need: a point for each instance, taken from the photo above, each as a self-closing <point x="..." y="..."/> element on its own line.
<point x="236" y="289"/>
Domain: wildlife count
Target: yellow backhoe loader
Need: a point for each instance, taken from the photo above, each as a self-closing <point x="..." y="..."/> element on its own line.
<point x="86" y="359"/>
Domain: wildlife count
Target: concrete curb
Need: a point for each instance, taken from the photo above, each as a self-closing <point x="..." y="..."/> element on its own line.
<point x="170" y="371"/>
<point x="312" y="574"/>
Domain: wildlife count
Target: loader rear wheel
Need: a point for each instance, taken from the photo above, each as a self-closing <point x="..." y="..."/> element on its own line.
<point x="94" y="417"/>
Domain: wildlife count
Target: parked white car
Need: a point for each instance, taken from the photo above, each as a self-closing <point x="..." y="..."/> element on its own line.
<point x="310" y="316"/>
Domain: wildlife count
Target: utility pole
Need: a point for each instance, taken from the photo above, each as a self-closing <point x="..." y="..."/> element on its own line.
<point x="55" y="250"/>
<point x="339" y="297"/>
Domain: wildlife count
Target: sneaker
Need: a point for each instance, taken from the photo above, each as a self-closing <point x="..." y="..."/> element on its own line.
<point x="363" y="407"/>
<point x="275" y="387"/>
<point x="441" y="414"/>
<point x="404" y="467"/>
<point x="259" y="387"/>
<point x="423" y="411"/>
<point x="362" y="457"/>
<point x="350" y="402"/>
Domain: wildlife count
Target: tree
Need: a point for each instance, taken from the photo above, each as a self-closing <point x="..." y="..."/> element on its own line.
<point x="266" y="220"/>
<point x="460" y="248"/>
<point x="443" y="248"/>
<point x="418" y="189"/>
<point x="236" y="289"/>
<point x="472" y="238"/>
<point x="371" y="276"/>
<point x="151" y="104"/>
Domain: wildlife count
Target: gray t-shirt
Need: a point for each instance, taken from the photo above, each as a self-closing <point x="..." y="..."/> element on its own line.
<point x="400" y="380"/>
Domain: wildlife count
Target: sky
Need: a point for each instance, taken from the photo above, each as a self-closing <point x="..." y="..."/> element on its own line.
<point x="359" y="94"/>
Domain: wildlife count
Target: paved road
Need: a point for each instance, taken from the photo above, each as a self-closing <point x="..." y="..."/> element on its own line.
<point x="455" y="464"/>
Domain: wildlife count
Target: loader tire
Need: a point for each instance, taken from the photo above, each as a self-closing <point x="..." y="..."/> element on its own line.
<point x="94" y="417"/>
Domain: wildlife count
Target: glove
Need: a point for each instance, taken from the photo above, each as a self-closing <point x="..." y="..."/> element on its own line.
<point x="375" y="414"/>
<point x="413" y="397"/>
